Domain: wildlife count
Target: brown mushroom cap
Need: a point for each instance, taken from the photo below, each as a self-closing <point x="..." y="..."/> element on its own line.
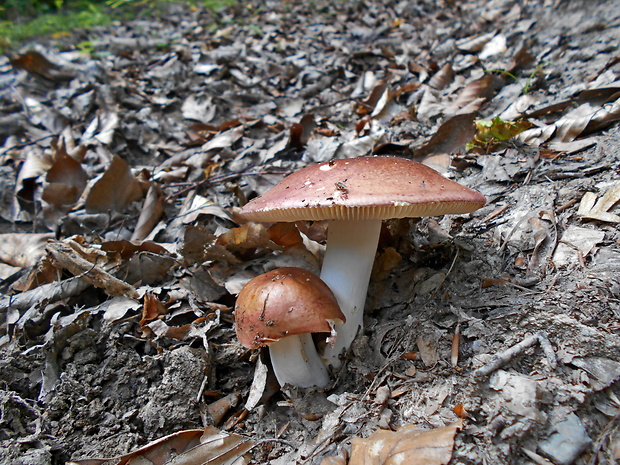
<point x="284" y="302"/>
<point x="362" y="188"/>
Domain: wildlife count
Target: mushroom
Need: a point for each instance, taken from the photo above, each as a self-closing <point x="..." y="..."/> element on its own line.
<point x="355" y="195"/>
<point x="281" y="309"/>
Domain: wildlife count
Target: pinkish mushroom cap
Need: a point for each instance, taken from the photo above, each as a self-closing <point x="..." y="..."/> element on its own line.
<point x="363" y="188"/>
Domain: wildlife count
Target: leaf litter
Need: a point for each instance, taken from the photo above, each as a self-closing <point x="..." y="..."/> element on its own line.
<point x="493" y="335"/>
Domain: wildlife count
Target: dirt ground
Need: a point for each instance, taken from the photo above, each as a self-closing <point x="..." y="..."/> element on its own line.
<point x="176" y="123"/>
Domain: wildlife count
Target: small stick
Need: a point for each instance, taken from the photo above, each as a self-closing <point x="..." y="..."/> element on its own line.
<point x="499" y="360"/>
<point x="547" y="349"/>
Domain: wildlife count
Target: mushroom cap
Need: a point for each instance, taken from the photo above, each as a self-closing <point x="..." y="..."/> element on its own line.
<point x="284" y="302"/>
<point x="362" y="188"/>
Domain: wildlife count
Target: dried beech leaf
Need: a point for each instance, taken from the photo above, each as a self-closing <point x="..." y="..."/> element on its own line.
<point x="585" y="119"/>
<point x="453" y="133"/>
<point x="474" y="43"/>
<point x="150" y="214"/>
<point x="376" y="101"/>
<point x="66" y="180"/>
<point x="475" y="92"/>
<point x="407" y="445"/>
<point x="114" y="190"/>
<point x="284" y="234"/>
<point x="38" y="65"/>
<point x="190" y="447"/>
<point x="127" y="249"/>
<point x="152" y="309"/>
<point x="246" y="237"/>
<point x="442" y="78"/>
<point x="301" y="132"/>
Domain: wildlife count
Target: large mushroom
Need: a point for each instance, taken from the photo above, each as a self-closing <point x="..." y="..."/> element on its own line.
<point x="355" y="195"/>
<point x="281" y="309"/>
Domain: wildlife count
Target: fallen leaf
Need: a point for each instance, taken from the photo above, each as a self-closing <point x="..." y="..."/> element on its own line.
<point x="114" y="190"/>
<point x="453" y="133"/>
<point x="407" y="445"/>
<point x="150" y="214"/>
<point x="442" y="78"/>
<point x="190" y="447"/>
<point x="22" y="250"/>
<point x="65" y="256"/>
<point x="590" y="208"/>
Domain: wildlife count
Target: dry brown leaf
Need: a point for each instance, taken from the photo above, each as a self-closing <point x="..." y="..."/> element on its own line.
<point x="246" y="237"/>
<point x="152" y="309"/>
<point x="453" y="133"/>
<point x="127" y="249"/>
<point x="150" y="214"/>
<point x="376" y="101"/>
<point x="190" y="447"/>
<point x="585" y="119"/>
<point x="37" y="64"/>
<point x="219" y="408"/>
<point x="114" y="190"/>
<point x="284" y="234"/>
<point x="65" y="180"/>
<point x="442" y="78"/>
<point x="301" y="132"/>
<point x="475" y="93"/>
<point x="407" y="445"/>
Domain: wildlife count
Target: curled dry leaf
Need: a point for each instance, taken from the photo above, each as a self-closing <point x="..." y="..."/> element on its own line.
<point x="190" y="447"/>
<point x="151" y="212"/>
<point x="584" y="119"/>
<point x="407" y="445"/>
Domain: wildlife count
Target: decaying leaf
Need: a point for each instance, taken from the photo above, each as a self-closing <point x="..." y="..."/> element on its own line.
<point x="453" y="133"/>
<point x="190" y="447"/>
<point x="409" y="444"/>
<point x="583" y="120"/>
<point x="66" y="179"/>
<point x="150" y="214"/>
<point x="592" y="209"/>
<point x="115" y="189"/>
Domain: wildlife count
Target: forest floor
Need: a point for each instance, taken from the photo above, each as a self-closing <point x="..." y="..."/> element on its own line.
<point x="126" y="152"/>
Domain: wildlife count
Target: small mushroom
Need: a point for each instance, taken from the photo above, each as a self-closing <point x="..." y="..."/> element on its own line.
<point x="281" y="309"/>
<point x="355" y="195"/>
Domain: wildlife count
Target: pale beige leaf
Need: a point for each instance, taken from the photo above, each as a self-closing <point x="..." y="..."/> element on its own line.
<point x="590" y="208"/>
<point x="21" y="249"/>
<point x="408" y="445"/>
<point x="190" y="447"/>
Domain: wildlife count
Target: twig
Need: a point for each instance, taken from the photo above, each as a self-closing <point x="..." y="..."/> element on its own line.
<point x="501" y="359"/>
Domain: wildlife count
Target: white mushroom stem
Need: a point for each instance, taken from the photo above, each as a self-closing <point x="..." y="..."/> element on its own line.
<point x="295" y="361"/>
<point x="347" y="264"/>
